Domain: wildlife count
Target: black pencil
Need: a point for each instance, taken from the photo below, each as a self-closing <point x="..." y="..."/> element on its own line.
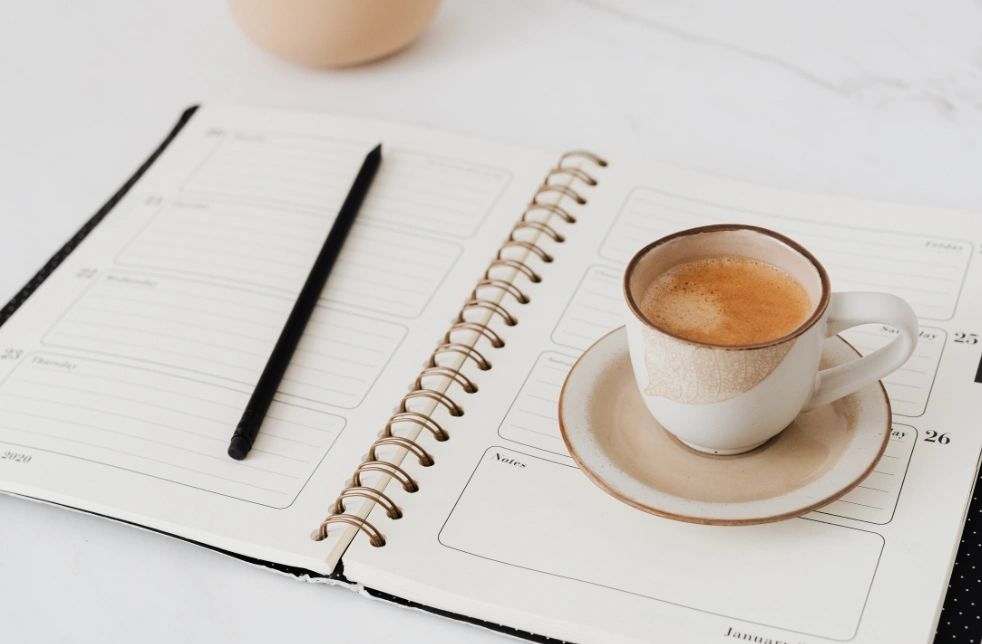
<point x="279" y="359"/>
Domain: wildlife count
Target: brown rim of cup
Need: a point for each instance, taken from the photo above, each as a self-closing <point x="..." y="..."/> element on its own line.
<point x="816" y="315"/>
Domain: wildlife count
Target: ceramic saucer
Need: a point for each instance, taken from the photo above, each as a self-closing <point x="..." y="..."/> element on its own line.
<point x="822" y="455"/>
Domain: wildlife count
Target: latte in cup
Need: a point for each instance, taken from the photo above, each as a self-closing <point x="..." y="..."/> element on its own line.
<point x="726" y="327"/>
<point x="726" y="300"/>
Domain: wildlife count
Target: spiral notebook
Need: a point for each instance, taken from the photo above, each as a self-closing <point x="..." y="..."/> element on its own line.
<point x="413" y="450"/>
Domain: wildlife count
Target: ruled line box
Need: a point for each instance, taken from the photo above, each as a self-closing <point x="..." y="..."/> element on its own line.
<point x="532" y="418"/>
<point x="442" y="195"/>
<point x="340" y="356"/>
<point x="559" y="511"/>
<point x="227" y="333"/>
<point x="279" y="169"/>
<point x="926" y="271"/>
<point x="875" y="499"/>
<point x="379" y="268"/>
<point x="596" y="308"/>
<point x="438" y="194"/>
<point x="909" y="387"/>
<point x="161" y="425"/>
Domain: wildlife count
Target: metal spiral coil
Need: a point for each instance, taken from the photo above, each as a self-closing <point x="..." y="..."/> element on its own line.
<point x="465" y="350"/>
<point x="494" y="307"/>
<point x="576" y="173"/>
<point x="581" y="154"/>
<point x="549" y="209"/>
<point x="454" y="374"/>
<point x="410" y="446"/>
<point x="507" y="287"/>
<point x="391" y="509"/>
<point x="420" y="420"/>
<point x="521" y="267"/>
<point x="565" y="191"/>
<point x="440" y="398"/>
<point x="385" y="467"/>
<point x="482" y="329"/>
<point x="528" y="246"/>
<point x="538" y="226"/>
<point x="460" y="340"/>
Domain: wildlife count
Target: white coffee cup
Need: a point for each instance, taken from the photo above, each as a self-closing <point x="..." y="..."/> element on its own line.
<point x="730" y="399"/>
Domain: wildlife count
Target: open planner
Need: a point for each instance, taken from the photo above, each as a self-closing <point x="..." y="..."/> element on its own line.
<point x="413" y="449"/>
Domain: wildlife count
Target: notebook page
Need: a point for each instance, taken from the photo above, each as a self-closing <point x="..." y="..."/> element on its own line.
<point x="509" y="530"/>
<point x="123" y="376"/>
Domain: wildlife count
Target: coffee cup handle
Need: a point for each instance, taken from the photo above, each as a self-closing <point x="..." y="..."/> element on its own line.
<point x="847" y="310"/>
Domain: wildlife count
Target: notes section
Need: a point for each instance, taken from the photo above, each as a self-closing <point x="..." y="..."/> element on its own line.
<point x="926" y="271"/>
<point x="763" y="566"/>
<point x="227" y="333"/>
<point x="875" y="499"/>
<point x="531" y="419"/>
<point x="441" y="195"/>
<point x="910" y="386"/>
<point x="163" y="426"/>
<point x="379" y="268"/>
<point x="596" y="308"/>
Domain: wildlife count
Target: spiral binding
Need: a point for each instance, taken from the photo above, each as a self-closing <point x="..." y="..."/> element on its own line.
<point x="437" y="377"/>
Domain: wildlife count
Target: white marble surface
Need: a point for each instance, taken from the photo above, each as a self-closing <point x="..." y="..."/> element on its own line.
<point x="879" y="99"/>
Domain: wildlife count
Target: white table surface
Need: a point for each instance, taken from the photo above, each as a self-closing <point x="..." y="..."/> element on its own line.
<point x="880" y="99"/>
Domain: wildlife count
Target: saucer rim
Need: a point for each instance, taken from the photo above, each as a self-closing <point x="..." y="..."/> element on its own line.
<point x="702" y="520"/>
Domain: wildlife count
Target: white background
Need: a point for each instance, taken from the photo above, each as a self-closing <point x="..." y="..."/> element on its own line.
<point x="880" y="99"/>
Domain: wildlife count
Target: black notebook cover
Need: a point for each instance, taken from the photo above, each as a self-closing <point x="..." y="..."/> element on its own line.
<point x="961" y="616"/>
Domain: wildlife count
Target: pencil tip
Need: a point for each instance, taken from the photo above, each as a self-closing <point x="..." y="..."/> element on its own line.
<point x="238" y="448"/>
<point x="376" y="151"/>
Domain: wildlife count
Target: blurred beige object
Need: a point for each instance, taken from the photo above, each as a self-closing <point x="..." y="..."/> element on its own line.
<point x="332" y="33"/>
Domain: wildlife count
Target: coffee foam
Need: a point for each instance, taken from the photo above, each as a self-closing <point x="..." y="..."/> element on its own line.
<point x="726" y="300"/>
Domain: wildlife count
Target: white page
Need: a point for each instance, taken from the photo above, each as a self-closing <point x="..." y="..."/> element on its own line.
<point x="506" y="528"/>
<point x="123" y="376"/>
